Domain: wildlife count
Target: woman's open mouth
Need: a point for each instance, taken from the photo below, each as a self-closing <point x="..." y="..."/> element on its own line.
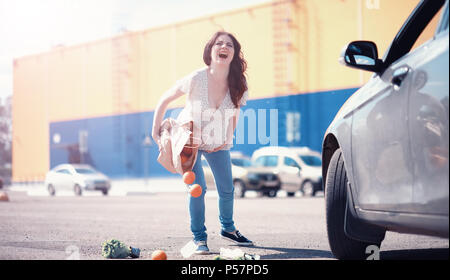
<point x="223" y="55"/>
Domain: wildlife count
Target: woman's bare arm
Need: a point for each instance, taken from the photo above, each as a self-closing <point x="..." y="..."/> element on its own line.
<point x="161" y="108"/>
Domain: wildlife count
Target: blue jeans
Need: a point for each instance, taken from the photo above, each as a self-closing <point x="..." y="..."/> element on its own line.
<point x="220" y="164"/>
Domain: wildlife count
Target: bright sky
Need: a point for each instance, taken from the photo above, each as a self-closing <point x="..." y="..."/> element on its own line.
<point x="31" y="26"/>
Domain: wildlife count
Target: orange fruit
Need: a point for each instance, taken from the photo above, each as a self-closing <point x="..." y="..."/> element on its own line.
<point x="187" y="151"/>
<point x="196" y="190"/>
<point x="184" y="158"/>
<point x="159" y="255"/>
<point x="3" y="196"/>
<point x="188" y="177"/>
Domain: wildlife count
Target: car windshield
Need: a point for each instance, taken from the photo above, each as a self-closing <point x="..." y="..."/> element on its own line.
<point x="85" y="171"/>
<point x="241" y="162"/>
<point x="311" y="160"/>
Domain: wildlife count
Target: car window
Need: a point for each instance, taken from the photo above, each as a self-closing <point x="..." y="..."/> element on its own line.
<point x="291" y="162"/>
<point x="311" y="160"/>
<point x="63" y="171"/>
<point x="241" y="162"/>
<point x="85" y="171"/>
<point x="259" y="161"/>
<point x="443" y="25"/>
<point x="408" y="36"/>
<point x="269" y="161"/>
<point x="429" y="31"/>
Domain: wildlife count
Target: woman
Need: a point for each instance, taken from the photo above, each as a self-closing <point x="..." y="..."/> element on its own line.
<point x="214" y="96"/>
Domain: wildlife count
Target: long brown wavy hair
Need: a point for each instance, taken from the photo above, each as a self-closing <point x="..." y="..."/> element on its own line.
<point x="237" y="82"/>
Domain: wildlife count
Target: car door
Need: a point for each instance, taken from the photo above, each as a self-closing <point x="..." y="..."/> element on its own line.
<point x="381" y="149"/>
<point x="290" y="172"/>
<point x="380" y="146"/>
<point x="55" y="178"/>
<point x="65" y="180"/>
<point x="429" y="121"/>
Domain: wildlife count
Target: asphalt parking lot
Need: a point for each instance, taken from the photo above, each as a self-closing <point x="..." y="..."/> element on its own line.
<point x="283" y="228"/>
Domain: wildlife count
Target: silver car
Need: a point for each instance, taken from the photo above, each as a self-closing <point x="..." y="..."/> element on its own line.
<point x="76" y="177"/>
<point x="299" y="168"/>
<point x="385" y="155"/>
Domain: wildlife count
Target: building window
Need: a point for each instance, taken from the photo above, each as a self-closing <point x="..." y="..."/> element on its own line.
<point x="293" y="127"/>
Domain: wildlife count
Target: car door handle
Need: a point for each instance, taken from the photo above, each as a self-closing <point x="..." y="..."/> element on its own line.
<point x="399" y="76"/>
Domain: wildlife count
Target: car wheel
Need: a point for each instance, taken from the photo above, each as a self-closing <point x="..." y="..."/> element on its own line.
<point x="272" y="193"/>
<point x="51" y="190"/>
<point x="239" y="188"/>
<point x="308" y="189"/>
<point x="77" y="190"/>
<point x="105" y="192"/>
<point x="341" y="245"/>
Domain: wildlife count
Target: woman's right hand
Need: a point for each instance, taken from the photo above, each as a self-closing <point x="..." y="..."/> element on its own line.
<point x="160" y="110"/>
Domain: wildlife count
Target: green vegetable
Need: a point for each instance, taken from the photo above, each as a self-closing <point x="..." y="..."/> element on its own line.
<point x="115" y="249"/>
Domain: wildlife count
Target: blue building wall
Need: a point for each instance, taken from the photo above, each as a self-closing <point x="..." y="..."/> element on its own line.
<point x="115" y="144"/>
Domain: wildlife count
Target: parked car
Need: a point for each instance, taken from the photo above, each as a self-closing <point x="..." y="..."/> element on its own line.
<point x="76" y="177"/>
<point x="385" y="154"/>
<point x="239" y="159"/>
<point x="246" y="177"/>
<point x="299" y="168"/>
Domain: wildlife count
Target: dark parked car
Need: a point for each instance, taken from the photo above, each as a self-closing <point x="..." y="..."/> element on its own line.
<point x="385" y="155"/>
<point x="247" y="177"/>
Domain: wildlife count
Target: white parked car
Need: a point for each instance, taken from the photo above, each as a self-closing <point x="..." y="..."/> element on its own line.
<point x="299" y="168"/>
<point x="76" y="177"/>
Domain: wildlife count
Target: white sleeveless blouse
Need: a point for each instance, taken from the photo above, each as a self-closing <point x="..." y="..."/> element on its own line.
<point x="210" y="123"/>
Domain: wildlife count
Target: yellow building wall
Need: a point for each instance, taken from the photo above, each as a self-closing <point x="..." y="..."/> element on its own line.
<point x="291" y="47"/>
<point x="325" y="27"/>
<point x="29" y="121"/>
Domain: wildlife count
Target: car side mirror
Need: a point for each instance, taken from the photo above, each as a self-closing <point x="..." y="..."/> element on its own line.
<point x="361" y="55"/>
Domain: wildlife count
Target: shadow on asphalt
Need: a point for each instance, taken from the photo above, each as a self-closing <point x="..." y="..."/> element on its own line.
<point x="411" y="254"/>
<point x="289" y="253"/>
<point x="416" y="254"/>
